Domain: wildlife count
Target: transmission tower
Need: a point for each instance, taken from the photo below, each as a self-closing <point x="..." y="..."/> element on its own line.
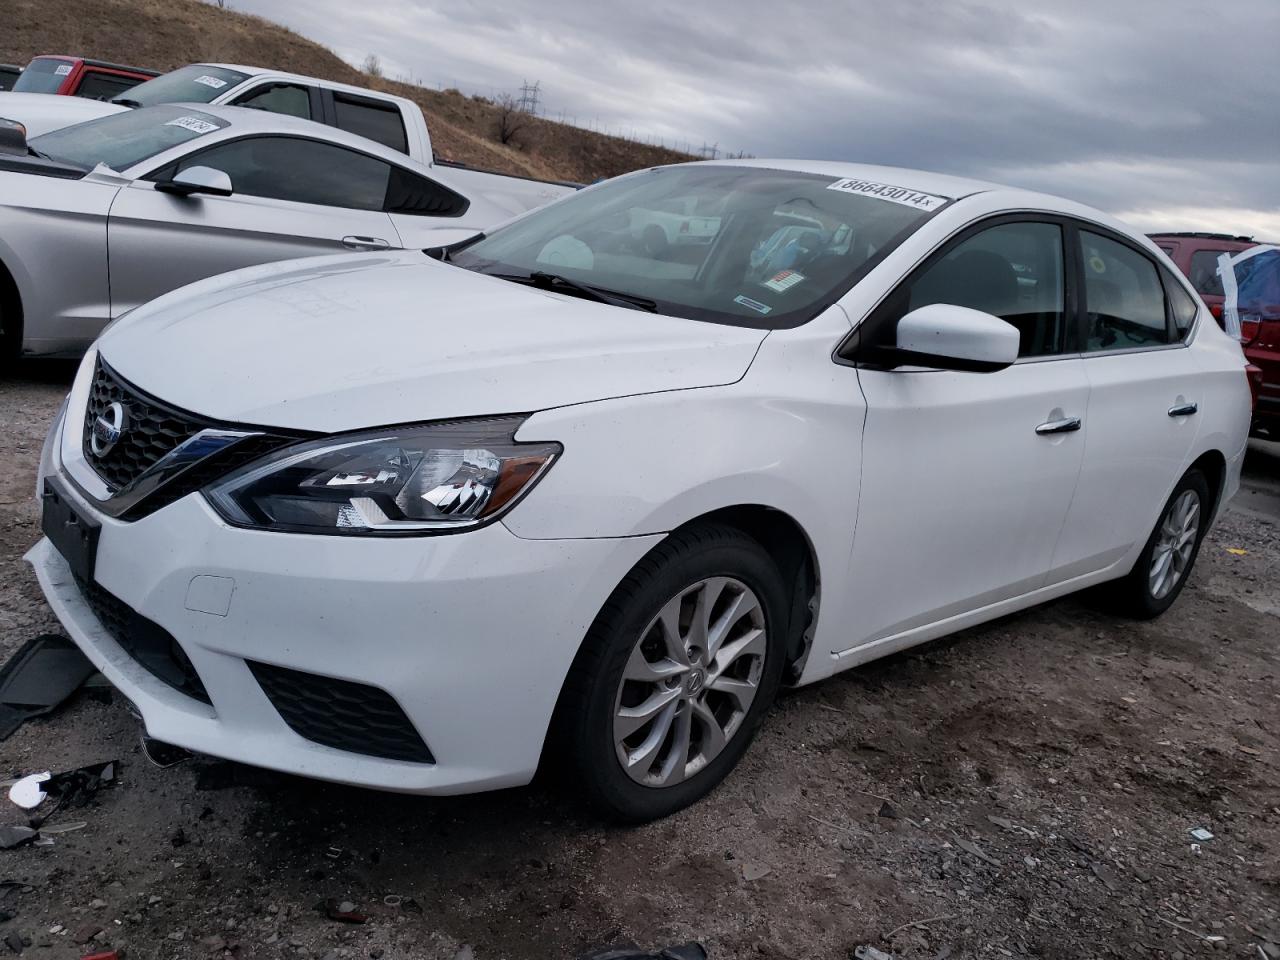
<point x="529" y="93"/>
<point x="709" y="151"/>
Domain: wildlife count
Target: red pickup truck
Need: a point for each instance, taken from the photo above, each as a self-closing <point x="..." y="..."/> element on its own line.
<point x="78" y="77"/>
<point x="1196" y="255"/>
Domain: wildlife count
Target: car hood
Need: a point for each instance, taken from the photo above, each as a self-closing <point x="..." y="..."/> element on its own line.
<point x="353" y="341"/>
<point x="44" y="112"/>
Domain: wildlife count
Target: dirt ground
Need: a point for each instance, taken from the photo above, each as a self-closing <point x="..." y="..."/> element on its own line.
<point x="1025" y="788"/>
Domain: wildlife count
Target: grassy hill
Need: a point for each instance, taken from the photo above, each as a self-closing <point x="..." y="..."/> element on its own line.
<point x="164" y="34"/>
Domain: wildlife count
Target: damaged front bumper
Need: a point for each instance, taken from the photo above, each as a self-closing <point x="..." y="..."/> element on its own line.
<point x="424" y="665"/>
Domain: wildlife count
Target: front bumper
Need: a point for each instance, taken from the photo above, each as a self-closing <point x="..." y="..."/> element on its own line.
<point x="472" y="634"/>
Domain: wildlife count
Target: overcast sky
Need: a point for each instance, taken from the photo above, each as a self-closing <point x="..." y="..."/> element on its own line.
<point x="1161" y="111"/>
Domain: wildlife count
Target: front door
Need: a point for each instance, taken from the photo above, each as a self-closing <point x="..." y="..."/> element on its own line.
<point x="971" y="474"/>
<point x="292" y="198"/>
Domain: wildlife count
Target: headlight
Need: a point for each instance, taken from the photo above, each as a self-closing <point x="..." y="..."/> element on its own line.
<point x="436" y="478"/>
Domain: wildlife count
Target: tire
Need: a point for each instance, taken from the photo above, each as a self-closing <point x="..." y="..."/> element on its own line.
<point x="627" y="665"/>
<point x="1139" y="594"/>
<point x="10" y="333"/>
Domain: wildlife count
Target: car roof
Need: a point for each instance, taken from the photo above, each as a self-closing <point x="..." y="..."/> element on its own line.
<point x="302" y="78"/>
<point x="923" y="181"/>
<point x="244" y="120"/>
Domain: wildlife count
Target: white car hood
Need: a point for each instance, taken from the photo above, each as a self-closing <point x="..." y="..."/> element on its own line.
<point x="43" y="112"/>
<point x="354" y="341"/>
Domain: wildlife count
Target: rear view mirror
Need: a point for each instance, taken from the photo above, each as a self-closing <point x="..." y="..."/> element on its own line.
<point x="197" y="180"/>
<point x="952" y="338"/>
<point x="13" y="138"/>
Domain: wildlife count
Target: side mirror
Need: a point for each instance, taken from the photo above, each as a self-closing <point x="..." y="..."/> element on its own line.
<point x="13" y="138"/>
<point x="953" y="338"/>
<point x="197" y="180"/>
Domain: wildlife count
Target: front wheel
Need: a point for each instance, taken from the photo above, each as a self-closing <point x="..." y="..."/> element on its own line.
<point x="1166" y="561"/>
<point x="676" y="674"/>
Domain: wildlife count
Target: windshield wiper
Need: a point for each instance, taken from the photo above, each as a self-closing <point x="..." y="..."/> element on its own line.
<point x="126" y="102"/>
<point x="562" y="284"/>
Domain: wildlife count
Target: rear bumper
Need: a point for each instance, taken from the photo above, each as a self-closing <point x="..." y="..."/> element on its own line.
<point x="471" y="635"/>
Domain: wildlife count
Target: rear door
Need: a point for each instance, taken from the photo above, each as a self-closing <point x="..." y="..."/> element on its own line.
<point x="294" y="197"/>
<point x="972" y="473"/>
<point x="1144" y="397"/>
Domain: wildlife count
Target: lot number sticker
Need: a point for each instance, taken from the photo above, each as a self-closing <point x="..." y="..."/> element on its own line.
<point x="62" y="70"/>
<point x="886" y="191"/>
<point x="194" y="124"/>
<point x="211" y="82"/>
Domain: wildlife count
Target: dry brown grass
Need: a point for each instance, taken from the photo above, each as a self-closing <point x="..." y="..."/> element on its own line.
<point x="164" y="34"/>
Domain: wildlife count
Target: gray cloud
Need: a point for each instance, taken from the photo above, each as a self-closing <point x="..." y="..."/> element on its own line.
<point x="1158" y="110"/>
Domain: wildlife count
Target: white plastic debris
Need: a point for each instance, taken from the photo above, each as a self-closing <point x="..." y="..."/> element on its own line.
<point x="27" y="792"/>
<point x="1200" y="833"/>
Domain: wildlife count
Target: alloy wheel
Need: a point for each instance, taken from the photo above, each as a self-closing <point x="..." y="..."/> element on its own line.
<point x="1176" y="543"/>
<point x="690" y="681"/>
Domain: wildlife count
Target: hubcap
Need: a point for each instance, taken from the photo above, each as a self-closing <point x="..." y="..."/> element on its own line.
<point x="1172" y="555"/>
<point x="689" y="682"/>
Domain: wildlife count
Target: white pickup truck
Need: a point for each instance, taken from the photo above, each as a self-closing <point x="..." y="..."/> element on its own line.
<point x="393" y="121"/>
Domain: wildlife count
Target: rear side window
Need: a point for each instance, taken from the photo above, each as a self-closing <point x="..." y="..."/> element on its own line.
<point x="287" y="98"/>
<point x="371" y="119"/>
<point x="297" y="170"/>
<point x="1124" y="299"/>
<point x="43" y="75"/>
<point x="1182" y="306"/>
<point x="418" y="196"/>
<point x="1013" y="271"/>
<point x="1204" y="272"/>
<point x="96" y="85"/>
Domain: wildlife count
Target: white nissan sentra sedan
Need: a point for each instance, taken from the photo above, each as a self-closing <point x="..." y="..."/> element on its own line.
<point x="589" y="492"/>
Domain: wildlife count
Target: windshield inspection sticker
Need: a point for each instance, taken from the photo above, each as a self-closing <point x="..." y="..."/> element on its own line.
<point x="884" y="191"/>
<point x="194" y="124"/>
<point x="750" y="304"/>
<point x="62" y="70"/>
<point x="211" y="82"/>
<point x="783" y="281"/>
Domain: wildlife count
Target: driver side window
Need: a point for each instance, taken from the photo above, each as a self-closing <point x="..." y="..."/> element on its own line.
<point x="1013" y="271"/>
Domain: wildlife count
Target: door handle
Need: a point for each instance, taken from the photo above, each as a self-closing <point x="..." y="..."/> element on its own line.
<point x="1183" y="409"/>
<point x="1065" y="425"/>
<point x="365" y="243"/>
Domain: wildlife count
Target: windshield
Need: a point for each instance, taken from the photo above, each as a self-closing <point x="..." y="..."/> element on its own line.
<point x="198" y="83"/>
<point x="126" y="138"/>
<point x="43" y="75"/>
<point x="741" y="245"/>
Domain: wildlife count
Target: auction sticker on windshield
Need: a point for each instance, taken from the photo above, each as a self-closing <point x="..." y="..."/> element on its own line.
<point x="211" y="82"/>
<point x="886" y="191"/>
<point x="194" y="124"/>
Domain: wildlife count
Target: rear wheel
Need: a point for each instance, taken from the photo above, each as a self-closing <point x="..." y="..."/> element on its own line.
<point x="676" y="674"/>
<point x="1166" y="561"/>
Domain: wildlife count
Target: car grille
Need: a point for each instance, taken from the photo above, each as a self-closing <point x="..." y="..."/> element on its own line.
<point x="145" y="640"/>
<point x="152" y="429"/>
<point x="341" y="714"/>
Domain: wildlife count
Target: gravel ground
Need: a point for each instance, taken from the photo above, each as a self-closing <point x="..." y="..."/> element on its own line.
<point x="1025" y="788"/>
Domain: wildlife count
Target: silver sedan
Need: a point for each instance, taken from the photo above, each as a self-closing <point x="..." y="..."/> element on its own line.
<point x="103" y="216"/>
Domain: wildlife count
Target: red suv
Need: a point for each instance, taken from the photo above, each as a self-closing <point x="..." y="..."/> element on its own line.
<point x="78" y="77"/>
<point x="1196" y="255"/>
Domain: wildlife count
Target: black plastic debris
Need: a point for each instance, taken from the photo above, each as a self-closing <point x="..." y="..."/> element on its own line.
<point x="683" y="951"/>
<point x="15" y="835"/>
<point x="36" y="680"/>
<point x="72" y="788"/>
